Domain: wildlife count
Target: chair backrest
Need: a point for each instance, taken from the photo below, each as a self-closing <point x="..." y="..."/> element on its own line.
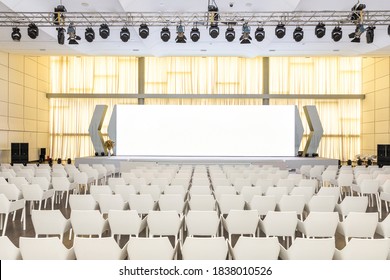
<point x="125" y="222"/>
<point x="11" y="191"/>
<point x="229" y="202"/>
<point x="50" y="248"/>
<point x="195" y="248"/>
<point x="153" y="190"/>
<point x="8" y="251"/>
<point x="369" y="186"/>
<point x="104" y="248"/>
<point x="248" y="192"/>
<point x="125" y="191"/>
<point x="220" y="190"/>
<point x="256" y="248"/>
<point x="150" y="249"/>
<point x="364" y="249"/>
<point x="113" y="182"/>
<point x="60" y="183"/>
<point x="242" y="221"/>
<point x="32" y="192"/>
<point x="320" y="224"/>
<point x="176" y="189"/>
<point x="49" y="222"/>
<point x="321" y="204"/>
<point x="202" y="202"/>
<point x="292" y="203"/>
<point x="330" y="191"/>
<point x="345" y="179"/>
<point x="97" y="190"/>
<point x="43" y="182"/>
<point x="200" y="190"/>
<point x="307" y="192"/>
<point x="310" y="249"/>
<point x="18" y="181"/>
<point x="263" y="204"/>
<point x="163" y="223"/>
<point x="88" y="222"/>
<point x="362" y="225"/>
<point x="352" y="204"/>
<point x="202" y="223"/>
<point x="171" y="202"/>
<point x="279" y="223"/>
<point x="143" y="203"/>
<point x="110" y="201"/>
<point x="82" y="202"/>
<point x="278" y="192"/>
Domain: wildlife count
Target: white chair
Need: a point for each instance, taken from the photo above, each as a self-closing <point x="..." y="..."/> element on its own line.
<point x="125" y="222"/>
<point x="82" y="202"/>
<point x="62" y="185"/>
<point x="263" y="204"/>
<point x="362" y="225"/>
<point x="369" y="187"/>
<point x="286" y="183"/>
<point x="309" y="249"/>
<point x="202" y="223"/>
<point x="50" y="222"/>
<point x="200" y="190"/>
<point x="173" y="202"/>
<point x="383" y="228"/>
<point x="8" y="251"/>
<point x="11" y="191"/>
<point x="222" y="190"/>
<point x="125" y="191"/>
<point x="363" y="249"/>
<point x="97" y="190"/>
<point x="159" y="248"/>
<point x="344" y="181"/>
<point x="352" y="204"/>
<point x="229" y="202"/>
<point x="319" y="224"/>
<point x="330" y="191"/>
<point x="203" y="181"/>
<point x="176" y="189"/>
<point x="255" y="248"/>
<point x="7" y="207"/>
<point x="241" y="222"/>
<point x="307" y="192"/>
<point x="249" y="192"/>
<point x="34" y="193"/>
<point x="98" y="249"/>
<point x="278" y="192"/>
<point x="18" y="181"/>
<point x="292" y="203"/>
<point x="195" y="248"/>
<point x="153" y="190"/>
<point x="165" y="223"/>
<point x="142" y="203"/>
<point x="50" y="248"/>
<point x="111" y="202"/>
<point x="202" y="202"/>
<point x="321" y="204"/>
<point x="113" y="182"/>
<point x="385" y="194"/>
<point x="88" y="222"/>
<point x="82" y="181"/>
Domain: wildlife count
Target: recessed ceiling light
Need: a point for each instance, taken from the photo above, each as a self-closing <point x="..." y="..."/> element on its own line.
<point x="271" y="50"/>
<point x="248" y="4"/>
<point x="336" y="50"/>
<point x="84" y="4"/>
<point x="135" y="50"/>
<point x="203" y="50"/>
<point x="42" y="50"/>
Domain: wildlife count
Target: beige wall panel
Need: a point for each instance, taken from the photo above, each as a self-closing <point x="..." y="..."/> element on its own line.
<point x="43" y="115"/>
<point x="43" y="86"/>
<point x="382" y="83"/>
<point x="4" y="72"/>
<point x="30" y="97"/>
<point x="369" y="87"/>
<point x="382" y="127"/>
<point x="43" y="102"/>
<point x="369" y="74"/>
<point x="43" y="73"/>
<point x="15" y="136"/>
<point x="4" y="140"/>
<point x="4" y="123"/>
<point x="4" y="59"/>
<point x="44" y="60"/>
<point x="30" y="82"/>
<point x="367" y="61"/>
<point x="15" y="110"/>
<point x="43" y="127"/>
<point x="382" y="139"/>
<point x="16" y="124"/>
<point x="30" y="113"/>
<point x="3" y="108"/>
<point x="30" y="125"/>
<point x="16" y="62"/>
<point x="368" y="128"/>
<point x="30" y="67"/>
<point x="16" y="77"/>
<point x="16" y="93"/>
<point x="382" y="68"/>
<point x="369" y="102"/>
<point x="382" y="99"/>
<point x="368" y="141"/>
<point x="382" y="114"/>
<point x="30" y="138"/>
<point x="43" y="141"/>
<point x="3" y="90"/>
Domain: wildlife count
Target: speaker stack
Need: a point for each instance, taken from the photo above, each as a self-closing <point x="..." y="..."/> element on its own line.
<point x="19" y="152"/>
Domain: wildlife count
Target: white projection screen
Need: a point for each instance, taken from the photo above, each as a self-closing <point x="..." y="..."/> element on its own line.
<point x="206" y="131"/>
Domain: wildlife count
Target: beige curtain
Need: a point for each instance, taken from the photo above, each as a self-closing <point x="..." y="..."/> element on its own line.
<point x="206" y="75"/>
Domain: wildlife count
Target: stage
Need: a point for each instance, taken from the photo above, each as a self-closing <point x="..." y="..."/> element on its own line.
<point x="123" y="163"/>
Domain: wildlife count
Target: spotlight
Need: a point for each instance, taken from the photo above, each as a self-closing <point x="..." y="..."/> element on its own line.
<point x="16" y="36"/>
<point x="89" y="34"/>
<point x="320" y="30"/>
<point x="280" y="30"/>
<point x="388" y="30"/>
<point x="230" y="34"/>
<point x="355" y="36"/>
<point x="357" y="11"/>
<point x="58" y="16"/>
<point x="180" y="38"/>
<point x="195" y="34"/>
<point x="337" y="34"/>
<point x="213" y="10"/>
<point x="298" y="34"/>
<point x="32" y="31"/>
<point x="73" y="38"/>
<point x="245" y="37"/>
<point x="370" y="34"/>
<point x="259" y="34"/>
<point x="214" y="30"/>
<point x="61" y="35"/>
<point x="143" y="31"/>
<point x="165" y="34"/>
<point x="104" y="31"/>
<point x="125" y="34"/>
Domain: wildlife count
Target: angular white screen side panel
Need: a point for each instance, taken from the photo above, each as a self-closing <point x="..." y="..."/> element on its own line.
<point x="111" y="129"/>
<point x="205" y="130"/>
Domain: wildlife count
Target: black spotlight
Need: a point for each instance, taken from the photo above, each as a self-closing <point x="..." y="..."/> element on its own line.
<point x="370" y="34"/>
<point x="230" y="34"/>
<point x="104" y="31"/>
<point x="320" y="30"/>
<point x="259" y="34"/>
<point x="61" y="35"/>
<point x="58" y="16"/>
<point x="16" y="36"/>
<point x="246" y="37"/>
<point x="337" y="34"/>
<point x="388" y="30"/>
<point x="280" y="30"/>
<point x="355" y="36"/>
<point x="214" y="30"/>
<point x="165" y="34"/>
<point x="125" y="34"/>
<point x="73" y="38"/>
<point x="32" y="31"/>
<point x="180" y="38"/>
<point x="298" y="34"/>
<point x="89" y="34"/>
<point x="143" y="31"/>
<point x="195" y="34"/>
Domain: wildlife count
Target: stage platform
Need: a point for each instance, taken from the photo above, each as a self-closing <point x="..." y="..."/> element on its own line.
<point x="123" y="162"/>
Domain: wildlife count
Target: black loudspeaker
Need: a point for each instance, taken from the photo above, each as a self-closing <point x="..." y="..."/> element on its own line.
<point x="383" y="154"/>
<point x="19" y="153"/>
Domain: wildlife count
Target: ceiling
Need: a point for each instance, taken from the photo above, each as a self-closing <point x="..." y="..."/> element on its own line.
<point x="46" y="42"/>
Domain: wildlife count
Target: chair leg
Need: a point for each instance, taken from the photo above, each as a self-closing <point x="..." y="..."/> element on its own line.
<point x="5" y="223"/>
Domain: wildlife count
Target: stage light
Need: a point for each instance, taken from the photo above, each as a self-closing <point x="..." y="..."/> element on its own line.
<point x="245" y="37"/>
<point x="298" y="34"/>
<point x="104" y="31"/>
<point x="89" y="34"/>
<point x="32" y="31"/>
<point x="165" y="34"/>
<point x="370" y="34"/>
<point x="143" y="31"/>
<point x="337" y="34"/>
<point x="73" y="38"/>
<point x="280" y="30"/>
<point x="61" y="35"/>
<point x="355" y="36"/>
<point x="213" y="11"/>
<point x="214" y="30"/>
<point x="58" y="16"/>
<point x="16" y="36"/>
<point x="124" y="34"/>
<point x="180" y="38"/>
<point x="357" y="11"/>
<point x="195" y="34"/>
<point x="259" y="34"/>
<point x="320" y="30"/>
<point x="388" y="30"/>
<point x="230" y="34"/>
